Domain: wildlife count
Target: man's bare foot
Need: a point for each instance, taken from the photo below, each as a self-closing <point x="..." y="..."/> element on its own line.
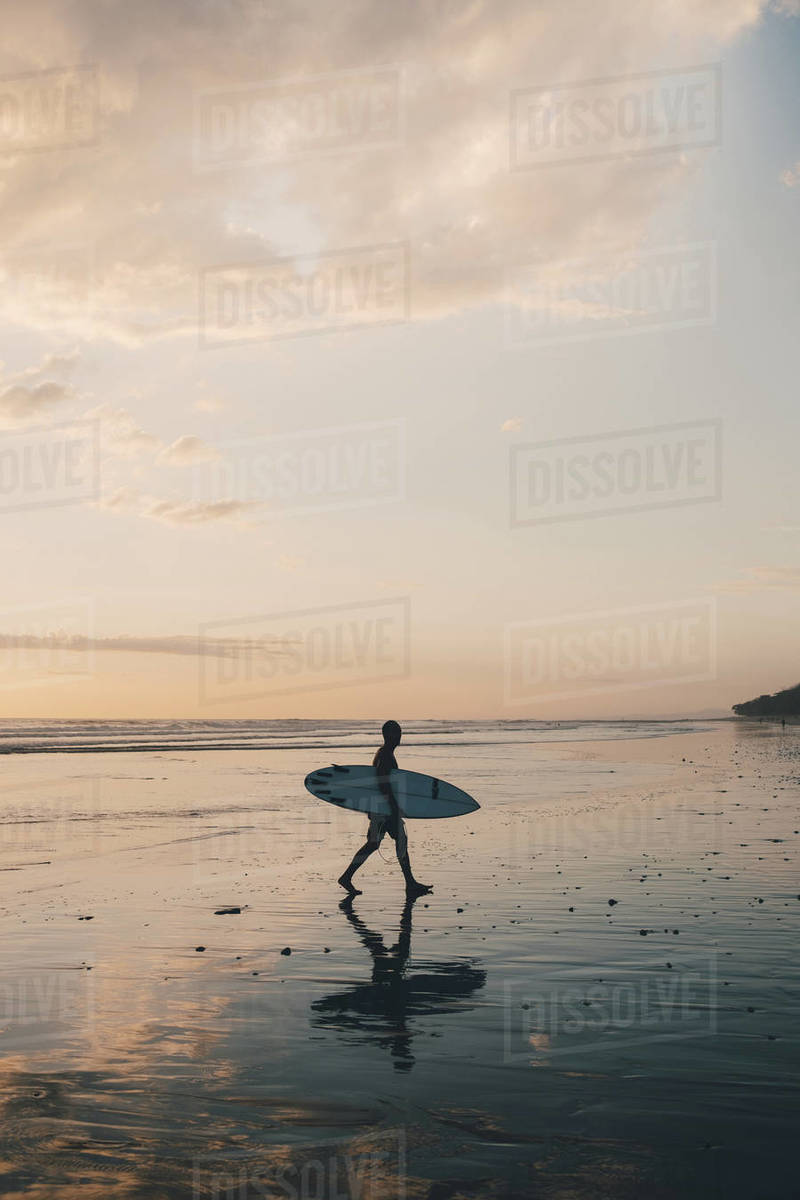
<point x="347" y="884"/>
<point x="418" y="889"/>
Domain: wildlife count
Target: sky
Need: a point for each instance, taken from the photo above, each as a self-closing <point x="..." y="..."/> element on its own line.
<point x="432" y="360"/>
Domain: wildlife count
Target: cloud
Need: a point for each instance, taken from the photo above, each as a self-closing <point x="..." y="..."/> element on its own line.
<point x="124" y="499"/>
<point x="193" y="512"/>
<point x="208" y="402"/>
<point x="127" y="643"/>
<point x="33" y="393"/>
<point x="761" y="579"/>
<point x="110" y="239"/>
<point x="20" y="405"/>
<point x="59" y="365"/>
<point x="289" y="562"/>
<point x="397" y="585"/>
<point x="512" y="425"/>
<point x="120" y="434"/>
<point x="188" y="450"/>
<point x="176" y="511"/>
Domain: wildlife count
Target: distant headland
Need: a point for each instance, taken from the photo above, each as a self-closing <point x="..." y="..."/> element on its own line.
<point x="781" y="704"/>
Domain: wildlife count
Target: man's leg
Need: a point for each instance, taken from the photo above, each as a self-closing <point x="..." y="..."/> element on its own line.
<point x="374" y="838"/>
<point x="401" y="846"/>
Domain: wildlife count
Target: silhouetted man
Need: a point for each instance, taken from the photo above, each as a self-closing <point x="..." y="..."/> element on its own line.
<point x="385" y="762"/>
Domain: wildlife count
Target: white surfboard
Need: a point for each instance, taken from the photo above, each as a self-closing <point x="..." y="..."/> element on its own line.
<point x="418" y="796"/>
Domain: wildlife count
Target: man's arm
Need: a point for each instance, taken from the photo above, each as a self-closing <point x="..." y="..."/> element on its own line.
<point x="383" y="765"/>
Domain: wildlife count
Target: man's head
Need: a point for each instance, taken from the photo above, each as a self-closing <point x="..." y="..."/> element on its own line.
<point x="391" y="733"/>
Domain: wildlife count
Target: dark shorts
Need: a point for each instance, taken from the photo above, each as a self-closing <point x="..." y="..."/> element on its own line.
<point x="379" y="827"/>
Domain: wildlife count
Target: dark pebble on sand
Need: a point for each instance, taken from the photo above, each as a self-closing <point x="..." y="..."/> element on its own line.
<point x="199" y="949"/>
<point x="612" y="902"/>
<point x="85" y="918"/>
<point x="226" y="912"/>
<point x="642" y="933"/>
<point x="286" y="950"/>
<point x="327" y="950"/>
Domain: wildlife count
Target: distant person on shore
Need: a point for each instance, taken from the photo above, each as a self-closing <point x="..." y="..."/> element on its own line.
<point x="385" y="762"/>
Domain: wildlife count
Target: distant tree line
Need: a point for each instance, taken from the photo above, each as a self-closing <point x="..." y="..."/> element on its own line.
<point x="781" y="704"/>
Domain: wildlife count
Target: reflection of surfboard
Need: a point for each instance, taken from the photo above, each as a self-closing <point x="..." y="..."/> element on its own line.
<point x="417" y="795"/>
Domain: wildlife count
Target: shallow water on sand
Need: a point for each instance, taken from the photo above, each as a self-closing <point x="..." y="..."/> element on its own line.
<point x="513" y="1034"/>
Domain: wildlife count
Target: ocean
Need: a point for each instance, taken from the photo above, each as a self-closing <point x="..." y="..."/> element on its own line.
<point x="82" y="736"/>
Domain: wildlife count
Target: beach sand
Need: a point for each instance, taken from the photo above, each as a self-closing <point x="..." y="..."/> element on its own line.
<point x="514" y="1034"/>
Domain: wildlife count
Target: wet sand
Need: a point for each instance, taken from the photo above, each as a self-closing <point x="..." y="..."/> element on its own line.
<point x="515" y="1034"/>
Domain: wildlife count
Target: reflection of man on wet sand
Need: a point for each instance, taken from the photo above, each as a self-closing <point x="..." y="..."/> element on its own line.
<point x="378" y="1011"/>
